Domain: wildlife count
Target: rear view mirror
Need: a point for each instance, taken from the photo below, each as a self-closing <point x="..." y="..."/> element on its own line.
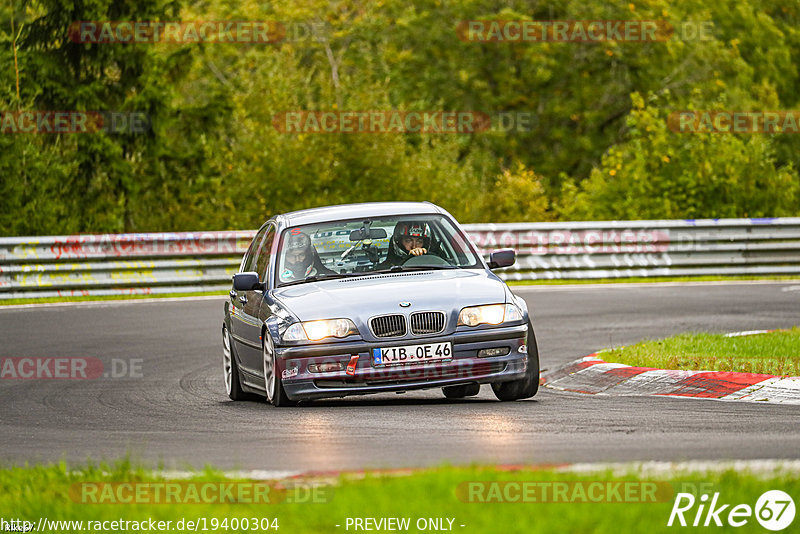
<point x="361" y="234"/>
<point x="246" y="282"/>
<point x="502" y="258"/>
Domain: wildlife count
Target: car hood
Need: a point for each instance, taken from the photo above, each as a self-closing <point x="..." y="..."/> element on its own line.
<point x="359" y="298"/>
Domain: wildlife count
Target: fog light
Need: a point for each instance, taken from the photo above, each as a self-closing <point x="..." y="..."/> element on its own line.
<point x="326" y="367"/>
<point x="497" y="351"/>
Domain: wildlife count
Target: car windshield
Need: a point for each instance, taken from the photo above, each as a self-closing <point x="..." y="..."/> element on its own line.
<point x="354" y="247"/>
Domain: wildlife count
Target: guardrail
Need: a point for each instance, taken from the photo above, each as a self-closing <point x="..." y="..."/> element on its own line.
<point x="119" y="264"/>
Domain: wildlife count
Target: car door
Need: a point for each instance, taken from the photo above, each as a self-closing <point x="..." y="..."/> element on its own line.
<point x="245" y="345"/>
<point x="248" y="313"/>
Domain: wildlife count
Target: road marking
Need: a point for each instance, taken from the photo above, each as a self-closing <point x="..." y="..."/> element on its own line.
<point x="255" y="474"/>
<point x="766" y="467"/>
<point x="747" y="333"/>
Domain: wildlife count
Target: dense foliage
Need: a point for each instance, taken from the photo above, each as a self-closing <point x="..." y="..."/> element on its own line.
<point x="599" y="147"/>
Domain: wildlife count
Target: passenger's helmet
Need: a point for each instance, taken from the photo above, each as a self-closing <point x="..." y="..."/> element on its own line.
<point x="298" y="254"/>
<point x="410" y="229"/>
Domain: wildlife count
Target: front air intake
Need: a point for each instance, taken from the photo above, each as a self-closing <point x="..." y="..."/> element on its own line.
<point x="427" y="322"/>
<point x="388" y="326"/>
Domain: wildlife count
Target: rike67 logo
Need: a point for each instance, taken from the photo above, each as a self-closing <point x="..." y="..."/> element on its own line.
<point x="774" y="510"/>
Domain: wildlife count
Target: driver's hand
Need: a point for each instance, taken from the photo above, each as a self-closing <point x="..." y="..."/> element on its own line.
<point x="418" y="251"/>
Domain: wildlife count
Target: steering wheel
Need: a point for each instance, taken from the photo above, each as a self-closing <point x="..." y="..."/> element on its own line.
<point x="425" y="259"/>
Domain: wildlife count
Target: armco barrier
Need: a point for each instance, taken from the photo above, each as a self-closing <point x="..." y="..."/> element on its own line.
<point x="117" y="264"/>
<point x="613" y="249"/>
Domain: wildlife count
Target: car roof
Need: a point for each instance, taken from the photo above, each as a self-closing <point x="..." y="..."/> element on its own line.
<point x="356" y="211"/>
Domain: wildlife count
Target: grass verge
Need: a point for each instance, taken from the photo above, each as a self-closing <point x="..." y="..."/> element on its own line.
<point x="441" y="494"/>
<point x="89" y="298"/>
<point x="774" y="353"/>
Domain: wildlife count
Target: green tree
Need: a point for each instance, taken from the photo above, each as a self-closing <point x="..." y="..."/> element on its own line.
<point x="660" y="174"/>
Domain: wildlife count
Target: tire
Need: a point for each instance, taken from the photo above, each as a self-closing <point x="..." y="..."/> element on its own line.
<point x="459" y="392"/>
<point x="230" y="369"/>
<point x="527" y="387"/>
<point x="273" y="385"/>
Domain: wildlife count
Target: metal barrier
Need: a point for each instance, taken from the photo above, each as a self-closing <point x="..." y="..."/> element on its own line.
<point x="119" y="264"/>
<point x="615" y="249"/>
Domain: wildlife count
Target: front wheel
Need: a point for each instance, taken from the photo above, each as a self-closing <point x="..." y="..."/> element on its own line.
<point x="524" y="387"/>
<point x="273" y="387"/>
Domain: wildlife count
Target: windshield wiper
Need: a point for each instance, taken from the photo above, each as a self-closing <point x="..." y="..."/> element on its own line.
<point x="407" y="268"/>
<point x="427" y="267"/>
<point x="317" y="278"/>
<point x="393" y="269"/>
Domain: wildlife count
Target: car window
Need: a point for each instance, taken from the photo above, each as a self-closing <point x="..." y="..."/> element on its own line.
<point x="264" y="252"/>
<point x="249" y="260"/>
<point x="342" y="247"/>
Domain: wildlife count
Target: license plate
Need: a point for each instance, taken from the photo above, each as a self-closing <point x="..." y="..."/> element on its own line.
<point x="412" y="354"/>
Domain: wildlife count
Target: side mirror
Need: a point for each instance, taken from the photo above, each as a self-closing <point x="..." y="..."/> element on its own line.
<point x="246" y="282"/>
<point x="502" y="258"/>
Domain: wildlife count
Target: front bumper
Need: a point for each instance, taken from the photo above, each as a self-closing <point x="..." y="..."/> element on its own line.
<point x="465" y="367"/>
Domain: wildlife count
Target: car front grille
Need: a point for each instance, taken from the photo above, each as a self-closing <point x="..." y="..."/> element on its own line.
<point x="388" y="325"/>
<point x="427" y="322"/>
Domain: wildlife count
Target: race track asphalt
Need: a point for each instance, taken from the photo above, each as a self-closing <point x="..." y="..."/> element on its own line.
<point x="176" y="414"/>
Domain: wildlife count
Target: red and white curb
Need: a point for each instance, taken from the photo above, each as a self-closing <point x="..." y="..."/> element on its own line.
<point x="594" y="376"/>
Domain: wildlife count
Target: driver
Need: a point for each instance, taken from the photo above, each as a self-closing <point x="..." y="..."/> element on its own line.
<point x="410" y="238"/>
<point x="300" y="259"/>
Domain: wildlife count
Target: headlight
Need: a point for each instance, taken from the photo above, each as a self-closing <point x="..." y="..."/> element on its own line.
<point x="295" y="333"/>
<point x="490" y="314"/>
<point x="316" y="330"/>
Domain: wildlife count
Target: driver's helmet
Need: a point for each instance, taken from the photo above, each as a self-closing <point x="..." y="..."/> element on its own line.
<point x="410" y="229"/>
<point x="298" y="257"/>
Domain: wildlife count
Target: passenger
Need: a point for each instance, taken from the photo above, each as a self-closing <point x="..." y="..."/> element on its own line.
<point x="301" y="259"/>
